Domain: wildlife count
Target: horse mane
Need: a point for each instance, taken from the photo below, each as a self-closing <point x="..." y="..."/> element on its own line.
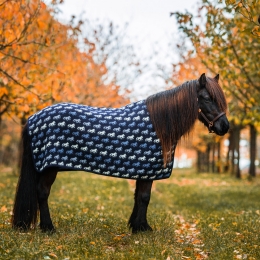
<point x="173" y="112"/>
<point x="216" y="93"/>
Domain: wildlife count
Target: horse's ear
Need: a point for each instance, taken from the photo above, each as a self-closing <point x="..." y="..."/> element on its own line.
<point x="202" y="81"/>
<point x="217" y="77"/>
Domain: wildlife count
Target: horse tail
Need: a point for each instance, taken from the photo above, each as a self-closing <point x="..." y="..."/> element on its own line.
<point x="25" y="203"/>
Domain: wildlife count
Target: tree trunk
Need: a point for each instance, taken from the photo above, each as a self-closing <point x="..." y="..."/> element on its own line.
<point x="229" y="167"/>
<point x="208" y="158"/>
<point x="236" y="136"/>
<point x="213" y="157"/>
<point x="253" y="134"/>
<point x="198" y="161"/>
<point x="20" y="148"/>
<point x="219" y="163"/>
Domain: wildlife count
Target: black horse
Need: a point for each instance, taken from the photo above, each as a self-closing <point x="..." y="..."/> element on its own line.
<point x="134" y="142"/>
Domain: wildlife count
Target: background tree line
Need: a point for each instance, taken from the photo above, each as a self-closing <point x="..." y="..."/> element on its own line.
<point x="44" y="61"/>
<point x="225" y="39"/>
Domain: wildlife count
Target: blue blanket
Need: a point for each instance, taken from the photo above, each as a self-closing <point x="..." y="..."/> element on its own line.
<point x="113" y="142"/>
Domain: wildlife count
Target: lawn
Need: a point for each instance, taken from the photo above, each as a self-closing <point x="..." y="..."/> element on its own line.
<point x="194" y="216"/>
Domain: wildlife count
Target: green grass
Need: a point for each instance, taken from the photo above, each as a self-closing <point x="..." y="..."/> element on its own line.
<point x="194" y="216"/>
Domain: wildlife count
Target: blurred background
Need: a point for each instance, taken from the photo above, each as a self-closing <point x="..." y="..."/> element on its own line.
<point x="111" y="53"/>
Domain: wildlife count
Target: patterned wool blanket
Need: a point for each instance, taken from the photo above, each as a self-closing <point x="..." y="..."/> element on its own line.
<point x="113" y="142"/>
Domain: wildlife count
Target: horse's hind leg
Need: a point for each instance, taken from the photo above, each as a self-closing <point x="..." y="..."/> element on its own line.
<point x="46" y="179"/>
<point x="138" y="221"/>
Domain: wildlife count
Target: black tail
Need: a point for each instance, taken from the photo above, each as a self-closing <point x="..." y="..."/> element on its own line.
<point x="26" y="204"/>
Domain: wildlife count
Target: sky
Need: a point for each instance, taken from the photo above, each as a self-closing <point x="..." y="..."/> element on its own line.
<point x="148" y="19"/>
<point x="150" y="26"/>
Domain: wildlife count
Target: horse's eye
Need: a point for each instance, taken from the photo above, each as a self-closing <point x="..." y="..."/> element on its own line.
<point x="207" y="99"/>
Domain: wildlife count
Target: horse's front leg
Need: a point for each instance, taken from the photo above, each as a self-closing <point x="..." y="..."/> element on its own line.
<point x="46" y="179"/>
<point x="138" y="221"/>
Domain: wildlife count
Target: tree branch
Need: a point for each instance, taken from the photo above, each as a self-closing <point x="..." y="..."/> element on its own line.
<point x="18" y="83"/>
<point x="31" y="19"/>
<point x="4" y="2"/>
<point x="243" y="68"/>
<point x="33" y="63"/>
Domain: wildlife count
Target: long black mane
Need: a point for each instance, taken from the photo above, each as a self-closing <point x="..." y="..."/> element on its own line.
<point x="173" y="112"/>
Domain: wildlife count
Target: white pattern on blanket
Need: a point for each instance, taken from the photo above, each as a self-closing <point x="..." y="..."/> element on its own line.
<point x="113" y="142"/>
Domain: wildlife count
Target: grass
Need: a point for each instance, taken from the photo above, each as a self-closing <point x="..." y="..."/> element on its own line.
<point x="194" y="216"/>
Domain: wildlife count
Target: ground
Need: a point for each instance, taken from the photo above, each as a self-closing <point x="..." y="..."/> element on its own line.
<point x="194" y="216"/>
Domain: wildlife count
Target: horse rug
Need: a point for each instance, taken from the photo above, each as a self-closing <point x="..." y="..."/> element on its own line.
<point x="118" y="142"/>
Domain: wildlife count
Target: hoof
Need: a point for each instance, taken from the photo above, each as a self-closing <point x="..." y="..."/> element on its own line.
<point x="21" y="227"/>
<point x="140" y="228"/>
<point x="47" y="228"/>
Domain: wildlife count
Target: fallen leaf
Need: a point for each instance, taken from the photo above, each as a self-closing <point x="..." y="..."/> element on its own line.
<point x="53" y="255"/>
<point x="196" y="241"/>
<point x="163" y="252"/>
<point x="117" y="238"/>
<point x="3" y="209"/>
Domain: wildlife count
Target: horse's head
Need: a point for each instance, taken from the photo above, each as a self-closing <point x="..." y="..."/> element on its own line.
<point x="212" y="105"/>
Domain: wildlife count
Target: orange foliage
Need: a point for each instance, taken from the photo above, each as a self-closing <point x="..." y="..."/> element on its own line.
<point x="190" y="68"/>
<point x="41" y="63"/>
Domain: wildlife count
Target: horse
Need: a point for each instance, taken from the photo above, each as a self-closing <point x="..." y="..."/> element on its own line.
<point x="137" y="142"/>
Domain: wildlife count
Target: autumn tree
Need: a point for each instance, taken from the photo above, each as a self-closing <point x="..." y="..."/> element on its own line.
<point x="248" y="10"/>
<point x="41" y="63"/>
<point x="225" y="44"/>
